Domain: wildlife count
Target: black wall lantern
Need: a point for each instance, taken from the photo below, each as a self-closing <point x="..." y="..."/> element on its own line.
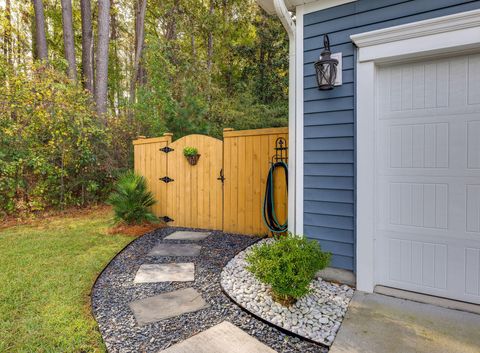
<point x="326" y="67"/>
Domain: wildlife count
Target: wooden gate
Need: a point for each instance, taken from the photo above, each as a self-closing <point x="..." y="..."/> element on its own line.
<point x="247" y="160"/>
<point x="194" y="196"/>
<point x="151" y="162"/>
<point x="187" y="196"/>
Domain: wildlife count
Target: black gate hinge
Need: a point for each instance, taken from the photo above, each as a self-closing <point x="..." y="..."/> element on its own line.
<point x="166" y="219"/>
<point x="166" y="179"/>
<point x="166" y="149"/>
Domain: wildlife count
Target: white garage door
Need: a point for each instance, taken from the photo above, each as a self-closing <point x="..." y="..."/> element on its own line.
<point x="428" y="177"/>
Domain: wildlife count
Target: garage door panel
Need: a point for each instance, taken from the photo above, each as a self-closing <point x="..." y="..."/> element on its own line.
<point x="474" y="79"/>
<point x="473" y="209"/>
<point x="427" y="236"/>
<point x="472" y="276"/>
<point x="415" y="204"/>
<point x="473" y="144"/>
<point x="439" y="87"/>
<point x="430" y="266"/>
<point x="421" y="145"/>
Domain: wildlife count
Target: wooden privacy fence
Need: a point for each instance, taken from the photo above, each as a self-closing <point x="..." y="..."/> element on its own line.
<point x="224" y="190"/>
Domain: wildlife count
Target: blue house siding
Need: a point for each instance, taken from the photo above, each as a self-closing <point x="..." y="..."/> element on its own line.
<point x="329" y="117"/>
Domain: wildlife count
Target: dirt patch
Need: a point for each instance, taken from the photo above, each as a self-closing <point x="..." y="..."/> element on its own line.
<point x="135" y="230"/>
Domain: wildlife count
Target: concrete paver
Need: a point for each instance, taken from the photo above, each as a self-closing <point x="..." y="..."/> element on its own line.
<point x="167" y="305"/>
<point x="164" y="249"/>
<point x="174" y="272"/>
<point x="187" y="235"/>
<point x="222" y="338"/>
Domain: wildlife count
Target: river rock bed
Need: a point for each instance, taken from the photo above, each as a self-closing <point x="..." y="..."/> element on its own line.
<point x="317" y="316"/>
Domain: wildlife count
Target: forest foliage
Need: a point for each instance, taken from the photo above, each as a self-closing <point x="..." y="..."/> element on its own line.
<point x="202" y="65"/>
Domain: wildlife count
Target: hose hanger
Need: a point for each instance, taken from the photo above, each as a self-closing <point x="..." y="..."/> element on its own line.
<point x="279" y="160"/>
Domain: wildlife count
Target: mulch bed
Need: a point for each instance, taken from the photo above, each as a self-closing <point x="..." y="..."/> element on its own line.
<point x="115" y="289"/>
<point x="135" y="230"/>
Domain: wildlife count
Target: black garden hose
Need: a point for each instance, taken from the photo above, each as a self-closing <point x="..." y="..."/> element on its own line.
<point x="269" y="214"/>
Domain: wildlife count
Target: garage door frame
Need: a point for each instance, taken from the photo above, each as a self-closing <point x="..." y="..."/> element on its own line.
<point x="458" y="33"/>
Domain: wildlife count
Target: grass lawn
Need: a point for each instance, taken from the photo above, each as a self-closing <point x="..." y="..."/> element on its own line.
<point x="46" y="273"/>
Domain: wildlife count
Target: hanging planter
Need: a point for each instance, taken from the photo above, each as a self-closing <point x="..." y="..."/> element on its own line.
<point x="191" y="154"/>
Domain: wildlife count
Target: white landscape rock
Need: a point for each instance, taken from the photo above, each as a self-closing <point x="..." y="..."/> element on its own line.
<point x="317" y="316"/>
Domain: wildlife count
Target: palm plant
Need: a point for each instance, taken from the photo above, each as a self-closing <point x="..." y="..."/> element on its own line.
<point x="131" y="200"/>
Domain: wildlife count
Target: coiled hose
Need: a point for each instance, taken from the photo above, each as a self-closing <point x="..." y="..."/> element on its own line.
<point x="269" y="214"/>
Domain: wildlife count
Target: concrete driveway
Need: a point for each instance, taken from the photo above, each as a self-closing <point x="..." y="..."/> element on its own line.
<point x="380" y="324"/>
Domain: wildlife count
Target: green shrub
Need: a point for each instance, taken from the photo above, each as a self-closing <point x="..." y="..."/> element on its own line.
<point x="131" y="200"/>
<point x="288" y="265"/>
<point x="190" y="151"/>
<point x="54" y="149"/>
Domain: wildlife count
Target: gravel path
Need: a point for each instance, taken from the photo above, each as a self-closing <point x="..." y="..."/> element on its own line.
<point x="115" y="289"/>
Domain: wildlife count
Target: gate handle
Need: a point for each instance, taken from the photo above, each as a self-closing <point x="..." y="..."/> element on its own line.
<point x="221" y="178"/>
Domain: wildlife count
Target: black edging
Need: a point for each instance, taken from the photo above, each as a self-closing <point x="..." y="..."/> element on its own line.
<point x="265" y="321"/>
<point x="90" y="294"/>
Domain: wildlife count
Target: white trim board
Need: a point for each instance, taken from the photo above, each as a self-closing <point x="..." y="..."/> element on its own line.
<point x="311" y="5"/>
<point x="455" y="33"/>
<point x="299" y="167"/>
<point x="321" y="5"/>
<point x="439" y="35"/>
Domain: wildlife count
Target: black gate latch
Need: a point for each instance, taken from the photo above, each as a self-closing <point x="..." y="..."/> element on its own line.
<point x="221" y="177"/>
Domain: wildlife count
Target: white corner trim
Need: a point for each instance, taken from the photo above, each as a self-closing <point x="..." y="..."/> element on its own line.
<point x="320" y="5"/>
<point x="299" y="167"/>
<point x="412" y="41"/>
<point x="457" y="31"/>
<point x="290" y="27"/>
<point x="365" y="195"/>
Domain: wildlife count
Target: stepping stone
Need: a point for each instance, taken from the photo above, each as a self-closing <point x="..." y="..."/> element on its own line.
<point x="175" y="250"/>
<point x="188" y="235"/>
<point x="167" y="305"/>
<point x="175" y="272"/>
<point x="222" y="338"/>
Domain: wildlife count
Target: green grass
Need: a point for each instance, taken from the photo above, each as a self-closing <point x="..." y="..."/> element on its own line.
<point x="46" y="273"/>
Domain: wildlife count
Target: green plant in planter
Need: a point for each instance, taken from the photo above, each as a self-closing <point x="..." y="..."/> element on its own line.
<point x="131" y="200"/>
<point x="190" y="151"/>
<point x="288" y="265"/>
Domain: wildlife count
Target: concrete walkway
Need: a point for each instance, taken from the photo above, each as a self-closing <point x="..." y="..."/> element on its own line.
<point x="379" y="324"/>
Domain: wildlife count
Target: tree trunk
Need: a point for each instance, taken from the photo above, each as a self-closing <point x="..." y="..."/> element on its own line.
<point x="210" y="40"/>
<point x="69" y="39"/>
<point x="40" y="36"/>
<point x="101" y="77"/>
<point x="33" y="32"/>
<point x="87" y="45"/>
<point x="7" y="35"/>
<point x="139" y="43"/>
<point x="115" y="92"/>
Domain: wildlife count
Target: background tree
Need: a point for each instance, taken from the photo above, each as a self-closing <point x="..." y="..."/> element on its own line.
<point x="141" y="8"/>
<point x="68" y="39"/>
<point x="101" y="77"/>
<point x="87" y="44"/>
<point x="40" y="36"/>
